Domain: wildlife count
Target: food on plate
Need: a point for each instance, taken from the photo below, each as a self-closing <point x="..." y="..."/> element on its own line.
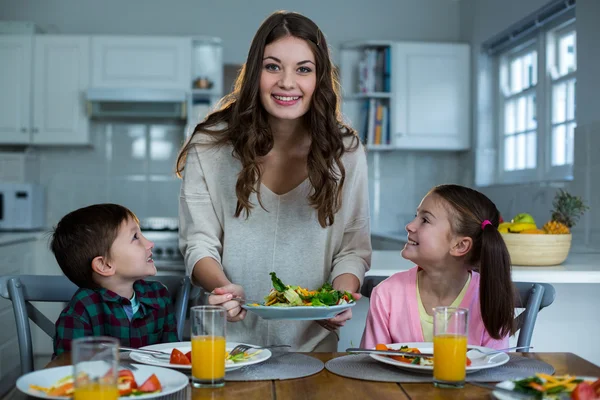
<point x="178" y="357"/>
<point x="292" y="296"/>
<point x="547" y="387"/>
<point x="126" y="383"/>
<point x="416" y="360"/>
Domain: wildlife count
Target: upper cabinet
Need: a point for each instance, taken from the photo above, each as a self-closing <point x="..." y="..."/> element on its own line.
<point x="408" y="95"/>
<point x="42" y="82"/>
<point x="16" y="53"/>
<point x="141" y="62"/>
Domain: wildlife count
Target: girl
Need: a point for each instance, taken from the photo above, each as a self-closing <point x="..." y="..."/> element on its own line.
<point x="274" y="181"/>
<point x="454" y="233"/>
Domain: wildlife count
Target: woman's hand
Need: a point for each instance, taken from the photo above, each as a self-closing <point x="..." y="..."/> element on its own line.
<point x="222" y="296"/>
<point x="339" y="320"/>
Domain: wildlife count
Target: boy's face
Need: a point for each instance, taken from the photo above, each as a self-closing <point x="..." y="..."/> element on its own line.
<point x="131" y="253"/>
<point x="429" y="234"/>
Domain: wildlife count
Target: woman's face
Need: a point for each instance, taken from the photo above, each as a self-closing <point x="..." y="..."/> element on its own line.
<point x="288" y="78"/>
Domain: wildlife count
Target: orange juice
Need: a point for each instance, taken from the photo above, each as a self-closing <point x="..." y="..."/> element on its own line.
<point x="208" y="357"/>
<point x="96" y="391"/>
<point x="449" y="357"/>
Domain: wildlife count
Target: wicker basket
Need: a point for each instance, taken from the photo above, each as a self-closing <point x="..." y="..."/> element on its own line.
<point x="537" y="250"/>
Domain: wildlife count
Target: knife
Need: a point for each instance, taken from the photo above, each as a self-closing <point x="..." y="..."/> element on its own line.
<point x="513" y="394"/>
<point x="387" y="352"/>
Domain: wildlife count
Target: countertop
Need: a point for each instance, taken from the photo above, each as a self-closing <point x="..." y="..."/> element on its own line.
<point x="581" y="266"/>
<point x="10" y="237"/>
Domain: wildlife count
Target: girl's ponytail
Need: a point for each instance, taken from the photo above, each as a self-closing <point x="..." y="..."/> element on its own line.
<point x="496" y="293"/>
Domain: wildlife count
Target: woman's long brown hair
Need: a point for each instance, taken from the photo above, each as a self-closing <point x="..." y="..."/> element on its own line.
<point x="469" y="208"/>
<point x="246" y="128"/>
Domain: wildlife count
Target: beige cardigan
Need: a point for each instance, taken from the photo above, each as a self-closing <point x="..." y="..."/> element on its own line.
<point x="286" y="238"/>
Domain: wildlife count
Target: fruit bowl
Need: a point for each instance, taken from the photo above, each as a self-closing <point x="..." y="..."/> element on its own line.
<point x="537" y="250"/>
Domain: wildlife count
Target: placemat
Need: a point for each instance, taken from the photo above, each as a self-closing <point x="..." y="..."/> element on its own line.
<point x="366" y="368"/>
<point x="280" y="366"/>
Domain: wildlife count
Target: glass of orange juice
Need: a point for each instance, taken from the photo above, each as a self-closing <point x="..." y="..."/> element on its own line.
<point x="95" y="368"/>
<point x="450" y="346"/>
<point x="208" y="346"/>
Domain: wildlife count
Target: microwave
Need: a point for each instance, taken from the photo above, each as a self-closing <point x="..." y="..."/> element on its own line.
<point x="22" y="206"/>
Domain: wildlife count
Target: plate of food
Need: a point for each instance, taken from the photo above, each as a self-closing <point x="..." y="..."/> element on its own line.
<point x="298" y="303"/>
<point x="475" y="360"/>
<point x="550" y="387"/>
<point x="140" y="382"/>
<point x="181" y="356"/>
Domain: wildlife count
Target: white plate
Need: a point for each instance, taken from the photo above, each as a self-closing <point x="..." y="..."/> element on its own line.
<point x="184" y="347"/>
<point x="510" y="385"/>
<point x="478" y="360"/>
<point x="304" y="313"/>
<point x="171" y="381"/>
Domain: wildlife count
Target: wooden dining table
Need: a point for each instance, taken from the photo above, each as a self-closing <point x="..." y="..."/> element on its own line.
<point x="326" y="385"/>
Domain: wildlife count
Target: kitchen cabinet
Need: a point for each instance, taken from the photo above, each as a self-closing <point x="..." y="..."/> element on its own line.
<point x="423" y="89"/>
<point x="41" y="89"/>
<point x="141" y="62"/>
<point x="16" y="53"/>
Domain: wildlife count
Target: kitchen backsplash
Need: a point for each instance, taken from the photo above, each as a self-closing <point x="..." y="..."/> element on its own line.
<point x="130" y="164"/>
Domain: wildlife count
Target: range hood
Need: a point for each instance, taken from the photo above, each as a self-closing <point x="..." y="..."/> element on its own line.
<point x="136" y="103"/>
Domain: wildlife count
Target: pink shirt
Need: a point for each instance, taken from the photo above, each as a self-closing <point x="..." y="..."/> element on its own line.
<point x="394" y="313"/>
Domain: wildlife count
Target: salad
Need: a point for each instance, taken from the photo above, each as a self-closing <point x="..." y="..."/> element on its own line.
<point x="178" y="357"/>
<point x="126" y="383"/>
<point x="544" y="386"/>
<point x="292" y="296"/>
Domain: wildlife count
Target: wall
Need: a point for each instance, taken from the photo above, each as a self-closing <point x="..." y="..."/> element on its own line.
<point x="482" y="19"/>
<point x="236" y="21"/>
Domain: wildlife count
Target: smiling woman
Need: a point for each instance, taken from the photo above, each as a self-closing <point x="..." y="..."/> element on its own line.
<point x="275" y="181"/>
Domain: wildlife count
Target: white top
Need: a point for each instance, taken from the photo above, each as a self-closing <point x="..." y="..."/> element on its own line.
<point x="285" y="238"/>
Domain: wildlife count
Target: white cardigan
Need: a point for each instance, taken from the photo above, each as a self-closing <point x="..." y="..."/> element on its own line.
<point x="285" y="238"/>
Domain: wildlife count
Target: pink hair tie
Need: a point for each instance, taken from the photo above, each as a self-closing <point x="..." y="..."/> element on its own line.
<point x="484" y="223"/>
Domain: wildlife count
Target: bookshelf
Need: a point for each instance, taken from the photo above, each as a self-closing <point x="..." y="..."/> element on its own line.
<point x="407" y="95"/>
<point x="206" y="86"/>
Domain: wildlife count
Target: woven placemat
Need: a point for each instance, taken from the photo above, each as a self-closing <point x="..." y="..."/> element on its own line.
<point x="280" y="366"/>
<point x="366" y="368"/>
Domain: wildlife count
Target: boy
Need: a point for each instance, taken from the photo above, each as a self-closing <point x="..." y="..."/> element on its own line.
<point x="100" y="248"/>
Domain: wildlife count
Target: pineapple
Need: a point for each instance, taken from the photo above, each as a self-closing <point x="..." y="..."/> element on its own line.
<point x="567" y="211"/>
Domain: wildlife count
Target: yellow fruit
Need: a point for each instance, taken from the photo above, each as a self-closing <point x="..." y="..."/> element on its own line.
<point x="504" y="226"/>
<point x="533" y="232"/>
<point x="556" y="228"/>
<point x="519" y="227"/>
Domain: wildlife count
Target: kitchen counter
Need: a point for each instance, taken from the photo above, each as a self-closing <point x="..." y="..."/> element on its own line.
<point x="581" y="266"/>
<point x="18" y="237"/>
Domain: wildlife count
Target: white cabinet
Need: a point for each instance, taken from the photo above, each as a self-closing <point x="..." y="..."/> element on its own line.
<point x="61" y="76"/>
<point x="141" y="62"/>
<point x="423" y="89"/>
<point x="16" y="53"/>
<point x="42" y="82"/>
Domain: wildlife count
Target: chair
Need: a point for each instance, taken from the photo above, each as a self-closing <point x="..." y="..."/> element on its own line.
<point x="23" y="289"/>
<point x="530" y="296"/>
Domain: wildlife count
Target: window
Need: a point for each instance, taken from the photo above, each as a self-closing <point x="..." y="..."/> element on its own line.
<point x="536" y="116"/>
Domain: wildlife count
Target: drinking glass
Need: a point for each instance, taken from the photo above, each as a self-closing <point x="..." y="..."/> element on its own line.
<point x="449" y="346"/>
<point x="208" y="346"/>
<point x="95" y="368"/>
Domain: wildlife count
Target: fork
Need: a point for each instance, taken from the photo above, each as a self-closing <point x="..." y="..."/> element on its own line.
<point x="241" y="348"/>
<point x="153" y="353"/>
<point x="499" y="350"/>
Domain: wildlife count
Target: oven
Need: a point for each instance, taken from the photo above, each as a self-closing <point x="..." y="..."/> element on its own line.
<point x="164" y="233"/>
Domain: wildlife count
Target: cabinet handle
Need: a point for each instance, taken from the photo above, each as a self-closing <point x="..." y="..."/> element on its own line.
<point x="24" y="130"/>
<point x="35" y="130"/>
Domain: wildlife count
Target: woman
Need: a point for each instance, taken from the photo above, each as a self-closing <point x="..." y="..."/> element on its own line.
<point x="274" y="181"/>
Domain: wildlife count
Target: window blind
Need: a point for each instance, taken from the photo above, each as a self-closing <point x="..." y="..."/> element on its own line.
<point x="528" y="26"/>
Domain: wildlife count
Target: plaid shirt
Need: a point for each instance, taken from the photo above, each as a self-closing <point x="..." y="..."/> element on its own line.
<point x="100" y="312"/>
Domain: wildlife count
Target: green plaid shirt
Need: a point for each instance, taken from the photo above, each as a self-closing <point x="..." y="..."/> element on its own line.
<point x="100" y="312"/>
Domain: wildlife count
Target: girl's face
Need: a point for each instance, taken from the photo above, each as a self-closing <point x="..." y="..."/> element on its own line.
<point x="288" y="78"/>
<point x="429" y="234"/>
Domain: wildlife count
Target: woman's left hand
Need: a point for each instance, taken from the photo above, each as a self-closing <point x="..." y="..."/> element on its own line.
<point x="339" y="320"/>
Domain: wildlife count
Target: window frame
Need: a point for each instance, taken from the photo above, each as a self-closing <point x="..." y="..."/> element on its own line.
<point x="540" y="42"/>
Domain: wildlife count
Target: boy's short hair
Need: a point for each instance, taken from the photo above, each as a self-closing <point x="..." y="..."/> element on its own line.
<point x="85" y="234"/>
